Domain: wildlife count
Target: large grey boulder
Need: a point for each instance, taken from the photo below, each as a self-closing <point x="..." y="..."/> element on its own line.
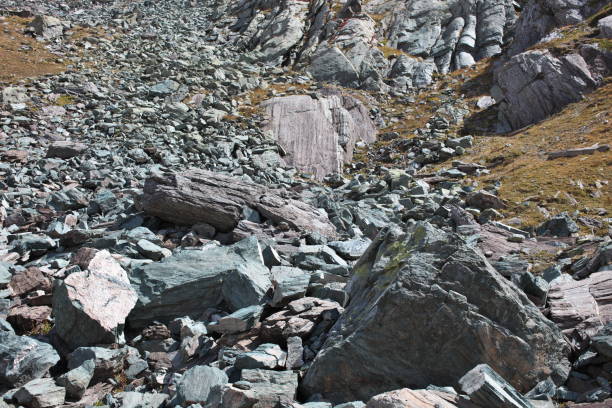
<point x="536" y="84"/>
<point x="191" y="281"/>
<point x="200" y="196"/>
<point x="319" y="134"/>
<point x="23" y="359"/>
<point x="197" y="383"/>
<point x="40" y="393"/>
<point x="90" y="307"/>
<point x="419" y="299"/>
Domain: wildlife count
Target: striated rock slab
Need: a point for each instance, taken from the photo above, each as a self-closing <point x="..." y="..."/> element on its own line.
<point x="584" y="305"/>
<point x="90" y="307"/>
<point x="319" y="134"/>
<point x="419" y="300"/>
<point x="199" y="196"/>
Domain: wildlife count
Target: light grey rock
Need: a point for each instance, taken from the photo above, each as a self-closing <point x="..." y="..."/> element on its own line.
<point x="605" y="27"/>
<point x="151" y="251"/>
<point x="142" y="400"/>
<point x="77" y="380"/>
<point x="487" y="388"/>
<point x="318" y="134"/>
<point x="268" y="356"/>
<point x="196" y="384"/>
<point x="408" y="72"/>
<point x="271" y="388"/>
<point x="289" y="284"/>
<point x="351" y="249"/>
<point x="91" y="307"/>
<point x="40" y="393"/>
<point x="295" y="351"/>
<point x="239" y="321"/>
<point x="422" y="269"/>
<point x="23" y="359"/>
<point x="200" y="279"/>
<point x="536" y="84"/>
<point x="47" y="27"/>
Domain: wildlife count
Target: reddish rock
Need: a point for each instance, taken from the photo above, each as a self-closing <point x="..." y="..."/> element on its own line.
<point x="15" y="156"/>
<point x="28" y="318"/>
<point x="29" y="280"/>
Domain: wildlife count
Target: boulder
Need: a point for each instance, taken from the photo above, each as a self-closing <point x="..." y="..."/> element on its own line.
<point x="419" y="299"/>
<point x="189" y="282"/>
<point x="239" y="321"/>
<point x="23" y="359"/>
<point x="196" y="384"/>
<point x="406" y="397"/>
<point x="47" y="27"/>
<point x="199" y="196"/>
<point x="77" y="380"/>
<point x="561" y="226"/>
<point x="40" y="393"/>
<point x="65" y="149"/>
<point x="90" y="307"/>
<point x="319" y="133"/>
<point x="271" y="388"/>
<point x="107" y="362"/>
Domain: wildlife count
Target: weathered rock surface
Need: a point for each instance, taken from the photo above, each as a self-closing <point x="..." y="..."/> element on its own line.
<point x="199" y="196"/>
<point x="191" y="281"/>
<point x="406" y="397"/>
<point x="23" y="359"/>
<point x="319" y="134"/>
<point x="91" y="307"/>
<point x="487" y="389"/>
<point x="196" y="384"/>
<point x="40" y="393"/>
<point x="535" y="84"/>
<point x="417" y="301"/>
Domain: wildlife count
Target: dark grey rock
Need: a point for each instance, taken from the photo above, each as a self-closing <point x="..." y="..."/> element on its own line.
<point x="196" y="384"/>
<point x="77" y="380"/>
<point x="23" y="359"/>
<point x="561" y="226"/>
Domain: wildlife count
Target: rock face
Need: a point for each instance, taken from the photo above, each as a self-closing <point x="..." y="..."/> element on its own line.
<point x="90" y="307"/>
<point x="199" y="196"/>
<point x="540" y="17"/>
<point x="188" y="283"/>
<point x="23" y="359"/>
<point x="535" y="84"/>
<point x="319" y="134"/>
<point x="418" y="301"/>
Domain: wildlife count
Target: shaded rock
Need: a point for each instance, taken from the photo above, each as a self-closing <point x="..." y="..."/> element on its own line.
<point x="483" y="200"/>
<point x="27" y="318"/>
<point x="77" y="380"/>
<point x="318" y="134"/>
<point x="23" y="359"/>
<point x="459" y="298"/>
<point x="561" y="226"/>
<point x="108" y="362"/>
<point x="91" y="307"/>
<point x="66" y="149"/>
<point x="40" y="393"/>
<point x="271" y="388"/>
<point x="486" y="388"/>
<point x="196" y="384"/>
<point x="200" y="279"/>
<point x="27" y="281"/>
<point x="199" y="196"/>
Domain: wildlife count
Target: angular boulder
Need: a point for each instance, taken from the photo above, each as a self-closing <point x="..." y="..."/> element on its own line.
<point x="40" y="393"/>
<point x="199" y="196"/>
<point x="90" y="307"/>
<point x="406" y="397"/>
<point x="191" y="281"/>
<point x="419" y="300"/>
<point x="319" y="134"/>
<point x="196" y="384"/>
<point x="23" y="359"/>
<point x="487" y="389"/>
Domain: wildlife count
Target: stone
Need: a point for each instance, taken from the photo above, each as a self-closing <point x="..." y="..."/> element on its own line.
<point x="271" y="388"/>
<point x="28" y="318"/>
<point x="151" y="251"/>
<point x="488" y="389"/>
<point x="351" y="249"/>
<point x="200" y="196"/>
<point x="605" y="27"/>
<point x="40" y="393"/>
<point x="289" y="284"/>
<point x="581" y="305"/>
<point x="318" y="134"/>
<point x="200" y="279"/>
<point x="268" y="356"/>
<point x="295" y="351"/>
<point x="239" y="321"/>
<point x="47" y="27"/>
<point x="90" y="307"/>
<point x="406" y="397"/>
<point x="77" y="380"/>
<point x="143" y="400"/>
<point x="23" y="359"/>
<point x="462" y="303"/>
<point x="196" y="384"/>
<point x="108" y="362"/>
<point x="483" y="200"/>
<point x="66" y="149"/>
<point x="561" y="226"/>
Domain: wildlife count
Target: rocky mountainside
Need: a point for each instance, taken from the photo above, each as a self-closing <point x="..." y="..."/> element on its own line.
<point x="305" y="203"/>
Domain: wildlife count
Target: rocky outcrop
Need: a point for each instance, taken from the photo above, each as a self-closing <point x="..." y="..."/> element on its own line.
<point x="540" y="17"/>
<point x="199" y="196"/>
<point x="319" y="133"/>
<point x="191" y="281"/>
<point x="418" y="300"/>
<point x="536" y="84"/>
<point x="91" y="307"/>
